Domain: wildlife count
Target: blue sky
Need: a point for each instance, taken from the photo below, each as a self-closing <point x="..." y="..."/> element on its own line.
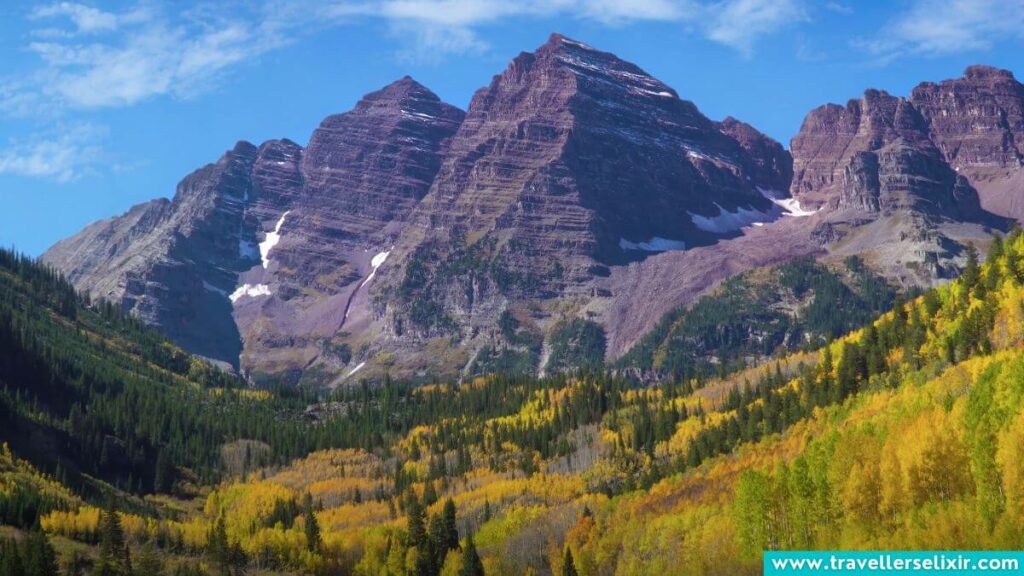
<point x="107" y="104"/>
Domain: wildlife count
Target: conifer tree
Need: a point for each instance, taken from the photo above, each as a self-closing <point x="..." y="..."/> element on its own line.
<point x="471" y="563"/>
<point x="114" y="558"/>
<point x="417" y="531"/>
<point x="148" y="562"/>
<point x="568" y="565"/>
<point x="311" y="526"/>
<point x="450" y="527"/>
<point x="40" y="559"/>
<point x="10" y="558"/>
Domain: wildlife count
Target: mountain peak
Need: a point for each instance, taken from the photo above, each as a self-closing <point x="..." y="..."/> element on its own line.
<point x="558" y="40"/>
<point x="405" y="88"/>
<point x="981" y="71"/>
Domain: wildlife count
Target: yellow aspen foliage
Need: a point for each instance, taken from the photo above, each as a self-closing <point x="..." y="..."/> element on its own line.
<point x="939" y="468"/>
<point x="1010" y="457"/>
<point x="862" y="493"/>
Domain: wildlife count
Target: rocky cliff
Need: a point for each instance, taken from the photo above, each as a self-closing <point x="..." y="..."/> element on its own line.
<point x="255" y="259"/>
<point x="571" y="162"/>
<point x="556" y="222"/>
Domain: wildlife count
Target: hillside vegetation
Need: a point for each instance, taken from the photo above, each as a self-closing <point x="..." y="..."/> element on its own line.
<point x="904" y="434"/>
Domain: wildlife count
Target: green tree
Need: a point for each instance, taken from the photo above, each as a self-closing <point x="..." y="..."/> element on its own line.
<point x="471" y="563"/>
<point x="10" y="559"/>
<point x="148" y="562"/>
<point x="310" y="524"/>
<point x="40" y="559"/>
<point x="417" y="531"/>
<point x="751" y="508"/>
<point x="971" y="269"/>
<point x="568" y="565"/>
<point x="75" y="564"/>
<point x="163" y="473"/>
<point x="450" y="526"/>
<point x="114" y="558"/>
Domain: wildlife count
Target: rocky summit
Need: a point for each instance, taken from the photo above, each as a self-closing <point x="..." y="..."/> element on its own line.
<point x="254" y="261"/>
<point x="553" y="224"/>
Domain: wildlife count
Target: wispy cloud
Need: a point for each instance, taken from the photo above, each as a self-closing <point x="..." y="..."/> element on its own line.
<point x="91" y="58"/>
<point x="88" y="58"/>
<point x="740" y="23"/>
<point x="116" y="59"/>
<point x="942" y="27"/>
<point x="62" y="155"/>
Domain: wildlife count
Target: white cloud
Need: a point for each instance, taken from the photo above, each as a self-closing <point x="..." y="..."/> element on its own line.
<point x="91" y="58"/>
<point x="120" y="59"/>
<point x="739" y="23"/>
<point x="63" y="155"/>
<point x="617" y="12"/>
<point x="942" y="27"/>
<point x="85" y="18"/>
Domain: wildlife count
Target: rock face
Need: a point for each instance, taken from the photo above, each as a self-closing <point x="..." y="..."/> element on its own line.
<point x="348" y="195"/>
<point x="889" y="186"/>
<point x="576" y="202"/>
<point x="977" y="121"/>
<point x="255" y="259"/>
<point x="570" y="162"/>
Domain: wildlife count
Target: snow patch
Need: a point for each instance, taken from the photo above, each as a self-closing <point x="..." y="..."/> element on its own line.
<point x="696" y="154"/>
<point x="250" y="291"/>
<point x="418" y="115"/>
<point x="660" y="93"/>
<point x="376" y="262"/>
<point x="655" y="244"/>
<point x="576" y="43"/>
<point x="356" y="369"/>
<point x="726" y="221"/>
<point x="791" y="206"/>
<point x="271" y="240"/>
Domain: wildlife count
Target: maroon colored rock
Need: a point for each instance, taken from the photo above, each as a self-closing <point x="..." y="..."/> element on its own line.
<point x="411" y="238"/>
<point x="264" y="248"/>
<point x="569" y="163"/>
<point x="977" y="121"/>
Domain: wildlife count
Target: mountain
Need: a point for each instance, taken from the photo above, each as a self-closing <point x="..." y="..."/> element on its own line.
<point x="977" y="121"/>
<point x="572" y="208"/>
<point x="571" y="163"/>
<point x="906" y="433"/>
<point x="256" y="258"/>
<point x="903" y="183"/>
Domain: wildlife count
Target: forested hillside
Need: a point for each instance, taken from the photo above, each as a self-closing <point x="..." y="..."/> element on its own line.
<point x="758" y="314"/>
<point x="904" y="434"/>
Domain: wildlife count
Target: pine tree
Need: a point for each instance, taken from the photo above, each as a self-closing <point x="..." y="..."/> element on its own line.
<point x="114" y="559"/>
<point x="568" y="565"/>
<point x="450" y="527"/>
<point x="10" y="559"/>
<point x="417" y="531"/>
<point x="471" y="563"/>
<point x="971" y="270"/>
<point x="432" y="554"/>
<point x="163" y="473"/>
<point x="429" y="494"/>
<point x="40" y="559"/>
<point x="311" y="526"/>
<point x="148" y="562"/>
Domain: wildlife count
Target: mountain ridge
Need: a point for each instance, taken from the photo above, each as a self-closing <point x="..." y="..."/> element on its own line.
<point x="576" y="187"/>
